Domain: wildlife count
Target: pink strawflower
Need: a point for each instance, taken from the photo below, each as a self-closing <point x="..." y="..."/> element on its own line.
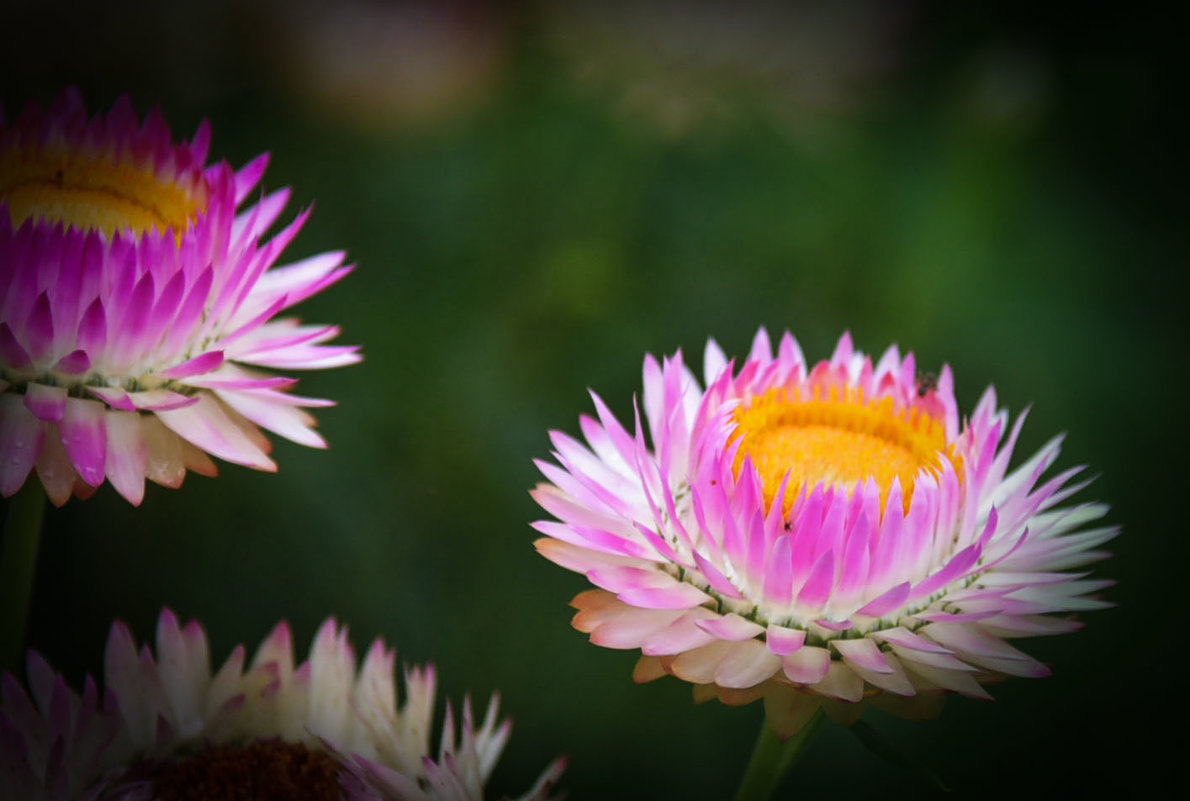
<point x="166" y="723"/>
<point x="136" y="303"/>
<point x="801" y="533"/>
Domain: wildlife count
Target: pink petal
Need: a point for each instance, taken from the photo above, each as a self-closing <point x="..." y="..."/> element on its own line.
<point x="806" y="665"/>
<point x="21" y="437"/>
<point x="92" y="334"/>
<point x="649" y="588"/>
<point x="841" y="682"/>
<point x="632" y="627"/>
<point x="165" y="462"/>
<point x="208" y="426"/>
<point x="289" y="422"/>
<point x="945" y="662"/>
<point x="156" y="400"/>
<point x="746" y="665"/>
<point x="54" y="469"/>
<point x="783" y="641"/>
<point x="578" y="558"/>
<point x="887" y="602"/>
<point x="76" y="362"/>
<point x="681" y="635"/>
<point x="11" y="352"/>
<point x="698" y="665"/>
<point x="817" y="589"/>
<point x="949" y="679"/>
<point x="45" y="402"/>
<point x="305" y="357"/>
<point x="719" y="582"/>
<point x="249" y="176"/>
<point x="593" y="538"/>
<point x="126" y="456"/>
<point x="895" y="681"/>
<point x="730" y="627"/>
<point x="203" y="363"/>
<point x="863" y="652"/>
<point x="39" y="329"/>
<point x="84" y="436"/>
<point x="115" y="397"/>
<point x="907" y="639"/>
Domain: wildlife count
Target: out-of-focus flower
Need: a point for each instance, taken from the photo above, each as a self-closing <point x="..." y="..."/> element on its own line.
<point x="388" y="65"/>
<point x="135" y="305"/>
<point x="679" y="66"/>
<point x="808" y="533"/>
<point x="167" y="729"/>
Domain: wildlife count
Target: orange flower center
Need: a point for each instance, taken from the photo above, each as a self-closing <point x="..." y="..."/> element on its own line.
<point x="837" y="438"/>
<point x="90" y="191"/>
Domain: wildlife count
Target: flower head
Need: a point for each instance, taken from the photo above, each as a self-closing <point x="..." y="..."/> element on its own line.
<point x="136" y="305"/>
<point x="802" y="533"/>
<point x="165" y="727"/>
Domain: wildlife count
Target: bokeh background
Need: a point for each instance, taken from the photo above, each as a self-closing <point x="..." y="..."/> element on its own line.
<point x="536" y="195"/>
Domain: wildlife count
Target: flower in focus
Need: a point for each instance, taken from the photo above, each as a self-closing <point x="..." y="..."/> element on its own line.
<point x="168" y="729"/>
<point x="817" y="534"/>
<point x="136" y="305"/>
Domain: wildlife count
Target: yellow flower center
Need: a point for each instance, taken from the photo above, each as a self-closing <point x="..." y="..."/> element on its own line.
<point x="837" y="438"/>
<point x="89" y="191"/>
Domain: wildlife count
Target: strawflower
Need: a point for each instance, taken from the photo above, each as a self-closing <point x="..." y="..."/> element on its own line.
<point x="136" y="305"/>
<point x="165" y="728"/>
<point x="817" y="535"/>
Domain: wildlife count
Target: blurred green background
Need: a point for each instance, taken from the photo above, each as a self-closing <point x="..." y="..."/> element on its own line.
<point x="538" y="194"/>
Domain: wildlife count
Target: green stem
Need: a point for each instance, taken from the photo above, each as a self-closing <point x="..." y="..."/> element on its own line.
<point x="772" y="759"/>
<point x="18" y="562"/>
<point x="878" y="745"/>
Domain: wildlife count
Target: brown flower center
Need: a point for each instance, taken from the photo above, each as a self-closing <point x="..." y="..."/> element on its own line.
<point x="264" y="770"/>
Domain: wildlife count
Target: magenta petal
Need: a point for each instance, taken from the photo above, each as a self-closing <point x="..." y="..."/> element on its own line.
<point x="46" y="403"/>
<point x="887" y="602"/>
<point x="817" y="589"/>
<point x="249" y="176"/>
<point x="84" y="435"/>
<point x="716" y="579"/>
<point x="92" y="334"/>
<point x="39" y="328"/>
<point x="834" y="625"/>
<point x="11" y="352"/>
<point x="778" y="579"/>
<point x="115" y="397"/>
<point x="76" y="362"/>
<point x="959" y="564"/>
<point x="203" y="363"/>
